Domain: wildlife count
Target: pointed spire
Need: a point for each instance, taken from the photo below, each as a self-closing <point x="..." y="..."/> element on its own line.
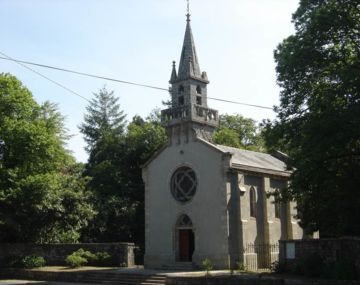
<point x="188" y="61"/>
<point x="173" y="73"/>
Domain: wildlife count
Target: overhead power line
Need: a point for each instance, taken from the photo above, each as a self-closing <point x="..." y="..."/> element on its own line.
<point x="43" y="76"/>
<point x="81" y="73"/>
<point x="240" y="103"/>
<point x="23" y="64"/>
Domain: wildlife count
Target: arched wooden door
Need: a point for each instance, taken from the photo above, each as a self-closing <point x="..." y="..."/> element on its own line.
<point x="186" y="239"/>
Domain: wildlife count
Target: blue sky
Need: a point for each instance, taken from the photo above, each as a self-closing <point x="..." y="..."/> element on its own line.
<point x="136" y="40"/>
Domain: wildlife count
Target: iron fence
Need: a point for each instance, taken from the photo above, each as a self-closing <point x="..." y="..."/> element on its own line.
<point x="260" y="256"/>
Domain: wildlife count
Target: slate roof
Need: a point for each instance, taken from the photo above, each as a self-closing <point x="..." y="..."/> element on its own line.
<point x="252" y="159"/>
<point x="189" y="64"/>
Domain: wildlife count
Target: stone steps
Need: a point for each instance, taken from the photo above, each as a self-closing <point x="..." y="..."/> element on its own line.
<point x="179" y="266"/>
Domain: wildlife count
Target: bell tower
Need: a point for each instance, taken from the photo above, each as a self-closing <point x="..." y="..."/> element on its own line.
<point x="189" y="114"/>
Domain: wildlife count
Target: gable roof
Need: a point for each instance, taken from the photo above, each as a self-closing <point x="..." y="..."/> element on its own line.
<point x="255" y="161"/>
<point x="242" y="159"/>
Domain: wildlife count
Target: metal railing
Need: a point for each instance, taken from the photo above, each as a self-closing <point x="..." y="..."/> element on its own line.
<point x="260" y="256"/>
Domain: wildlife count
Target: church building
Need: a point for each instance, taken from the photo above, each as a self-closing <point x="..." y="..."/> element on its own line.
<point x="204" y="200"/>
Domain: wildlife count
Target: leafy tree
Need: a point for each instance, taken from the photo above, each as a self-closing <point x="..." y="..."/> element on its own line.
<point x="115" y="170"/>
<point x="318" y="70"/>
<point x="42" y="196"/>
<point x="240" y="132"/>
<point x="143" y="139"/>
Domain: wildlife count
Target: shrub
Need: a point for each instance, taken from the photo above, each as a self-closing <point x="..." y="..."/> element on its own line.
<point x="79" y="258"/>
<point x="207" y="265"/>
<point x="33" y="261"/>
<point x="102" y="259"/>
<point x="279" y="267"/>
<point x="240" y="266"/>
<point x="82" y="257"/>
<point x="89" y="256"/>
<point x="74" y="260"/>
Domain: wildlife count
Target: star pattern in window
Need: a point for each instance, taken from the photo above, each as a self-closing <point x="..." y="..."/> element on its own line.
<point x="183" y="184"/>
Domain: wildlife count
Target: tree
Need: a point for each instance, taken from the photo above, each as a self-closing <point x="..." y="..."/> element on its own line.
<point x="143" y="139"/>
<point x="103" y="129"/>
<point x="42" y="197"/>
<point x="318" y="70"/>
<point x="104" y="118"/>
<point x="115" y="169"/>
<point x="240" y="132"/>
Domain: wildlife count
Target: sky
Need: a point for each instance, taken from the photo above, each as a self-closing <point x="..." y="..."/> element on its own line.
<point x="137" y="40"/>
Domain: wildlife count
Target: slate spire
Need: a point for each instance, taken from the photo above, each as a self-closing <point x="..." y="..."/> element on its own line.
<point x="173" y="77"/>
<point x="189" y="64"/>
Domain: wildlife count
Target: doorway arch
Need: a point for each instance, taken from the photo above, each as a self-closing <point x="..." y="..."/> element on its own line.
<point x="185" y="239"/>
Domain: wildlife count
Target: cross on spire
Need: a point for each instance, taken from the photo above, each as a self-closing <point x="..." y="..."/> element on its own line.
<point x="188" y="11"/>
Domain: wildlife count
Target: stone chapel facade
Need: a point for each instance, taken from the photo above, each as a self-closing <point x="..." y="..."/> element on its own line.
<point x="204" y="200"/>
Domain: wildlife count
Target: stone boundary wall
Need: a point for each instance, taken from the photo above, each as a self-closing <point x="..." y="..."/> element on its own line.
<point x="55" y="254"/>
<point x="223" y="280"/>
<point x="331" y="250"/>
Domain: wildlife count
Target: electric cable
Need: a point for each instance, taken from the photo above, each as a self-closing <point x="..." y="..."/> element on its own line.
<point x="23" y="64"/>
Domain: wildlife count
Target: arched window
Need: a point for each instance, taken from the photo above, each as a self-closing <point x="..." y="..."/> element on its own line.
<point x="181" y="89"/>
<point x="184" y="221"/>
<point x="252" y="202"/>
<point x="198" y="89"/>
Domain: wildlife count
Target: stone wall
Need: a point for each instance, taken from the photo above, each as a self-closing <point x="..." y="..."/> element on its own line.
<point x="330" y="250"/>
<point x="55" y="254"/>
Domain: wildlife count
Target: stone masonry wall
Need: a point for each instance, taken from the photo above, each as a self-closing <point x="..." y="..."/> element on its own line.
<point x="55" y="254"/>
<point x="330" y="250"/>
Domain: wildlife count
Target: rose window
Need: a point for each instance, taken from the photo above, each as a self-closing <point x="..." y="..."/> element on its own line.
<point x="183" y="184"/>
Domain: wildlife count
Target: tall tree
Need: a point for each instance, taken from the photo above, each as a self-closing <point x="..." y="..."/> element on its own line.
<point x="238" y="131"/>
<point x="104" y="118"/>
<point x="115" y="169"/>
<point x="318" y="70"/>
<point x="42" y="198"/>
<point x="103" y="129"/>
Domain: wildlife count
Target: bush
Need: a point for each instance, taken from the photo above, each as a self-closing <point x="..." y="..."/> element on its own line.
<point x="82" y="257"/>
<point x="89" y="256"/>
<point x="279" y="267"/>
<point x="102" y="259"/>
<point x="33" y="261"/>
<point x="240" y="266"/>
<point x="207" y="265"/>
<point x="74" y="260"/>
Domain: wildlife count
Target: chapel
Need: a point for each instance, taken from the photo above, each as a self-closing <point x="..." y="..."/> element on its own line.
<point x="204" y="200"/>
